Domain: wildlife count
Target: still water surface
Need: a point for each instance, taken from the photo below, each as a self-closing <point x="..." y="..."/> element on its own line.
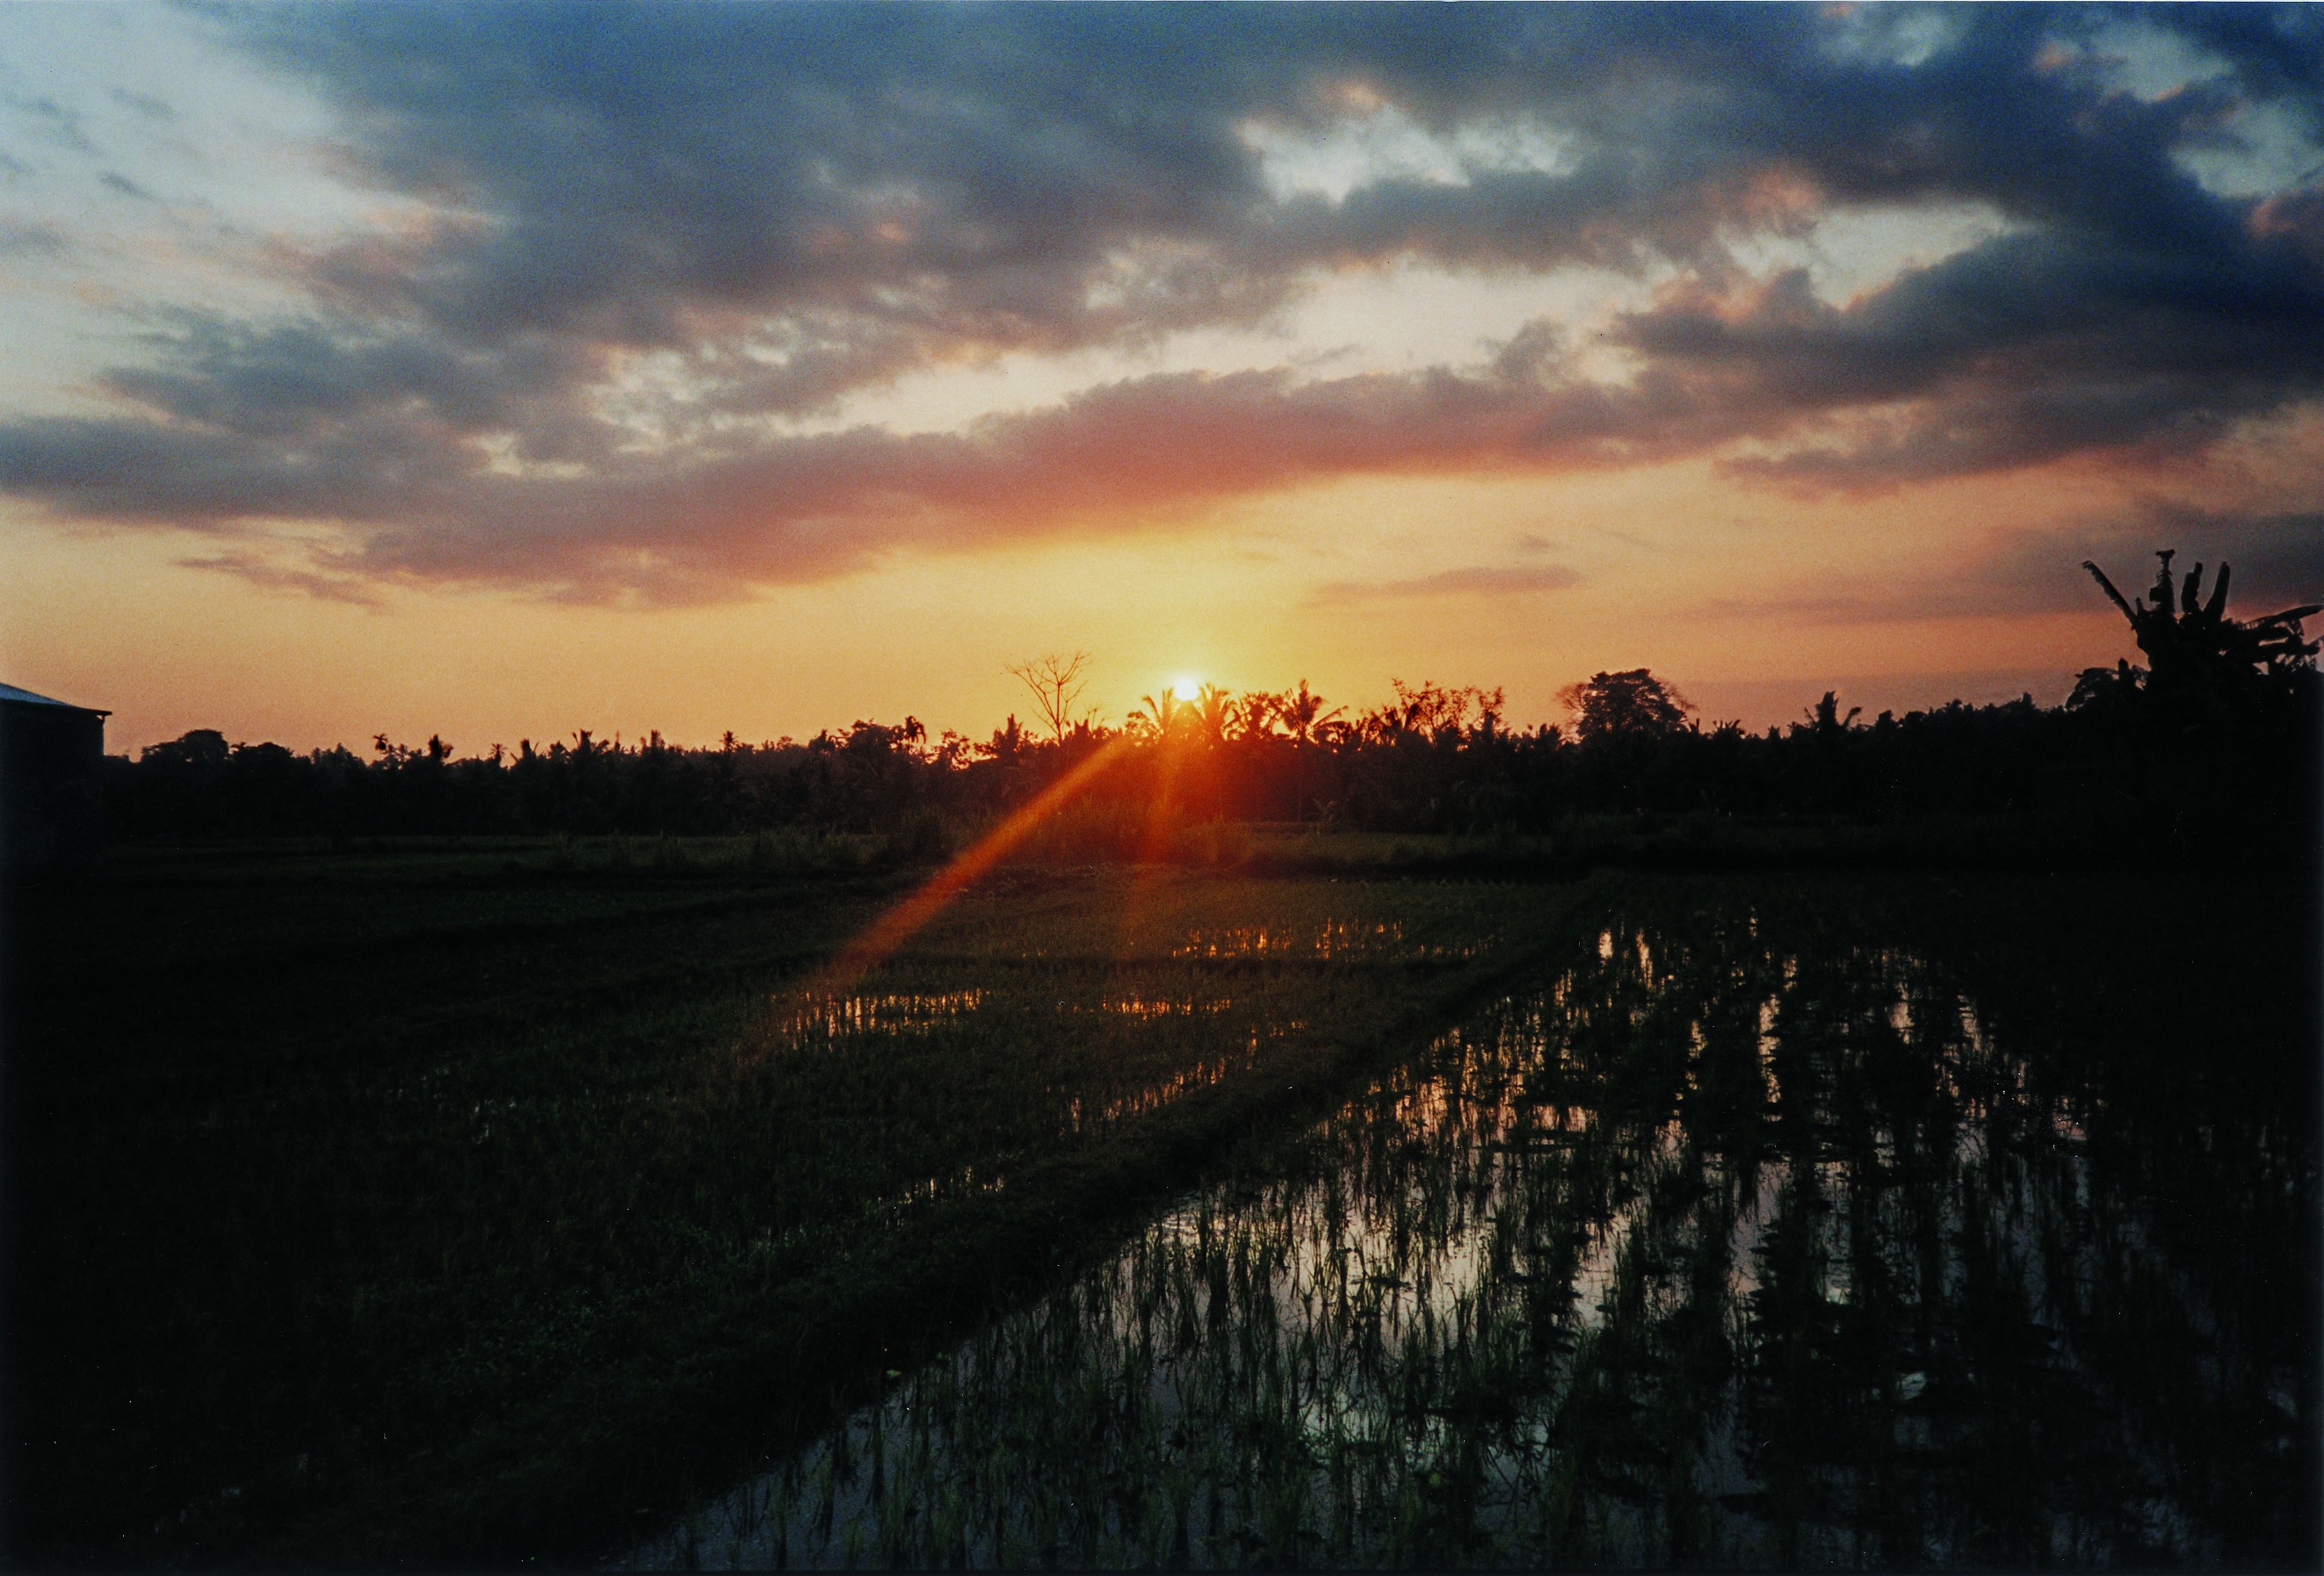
<point x="1698" y="1250"/>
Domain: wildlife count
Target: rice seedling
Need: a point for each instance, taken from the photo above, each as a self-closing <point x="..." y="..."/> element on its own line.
<point x="448" y="1240"/>
<point x="1740" y="1237"/>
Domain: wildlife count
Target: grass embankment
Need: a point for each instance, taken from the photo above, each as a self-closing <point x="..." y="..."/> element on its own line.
<point x="443" y="1204"/>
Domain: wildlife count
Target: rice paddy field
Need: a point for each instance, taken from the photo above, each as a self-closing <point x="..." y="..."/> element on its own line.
<point x="554" y="1202"/>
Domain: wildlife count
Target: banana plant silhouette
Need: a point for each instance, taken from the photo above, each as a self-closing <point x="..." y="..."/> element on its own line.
<point x="2194" y="646"/>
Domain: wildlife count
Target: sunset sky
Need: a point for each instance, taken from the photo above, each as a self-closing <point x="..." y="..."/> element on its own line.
<point x="497" y="372"/>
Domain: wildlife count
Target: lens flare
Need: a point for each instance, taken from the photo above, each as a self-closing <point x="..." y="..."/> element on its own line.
<point x="869" y="949"/>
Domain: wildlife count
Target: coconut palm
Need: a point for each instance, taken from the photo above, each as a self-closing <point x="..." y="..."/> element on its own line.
<point x="1255" y="716"/>
<point x="1213" y="709"/>
<point x="1157" y="717"/>
<point x="1302" y="711"/>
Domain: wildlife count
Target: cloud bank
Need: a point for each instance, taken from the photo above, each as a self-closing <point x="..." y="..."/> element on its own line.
<point x="655" y="244"/>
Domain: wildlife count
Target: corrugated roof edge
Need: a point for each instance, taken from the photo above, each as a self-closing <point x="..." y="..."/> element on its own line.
<point x="26" y="698"/>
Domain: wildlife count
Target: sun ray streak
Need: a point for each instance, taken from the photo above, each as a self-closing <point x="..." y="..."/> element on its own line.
<point x="884" y="935"/>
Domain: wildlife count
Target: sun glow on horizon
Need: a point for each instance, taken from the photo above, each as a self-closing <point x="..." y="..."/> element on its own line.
<point x="1186" y="686"/>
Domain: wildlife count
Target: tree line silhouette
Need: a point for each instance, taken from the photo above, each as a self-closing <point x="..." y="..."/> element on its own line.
<point x="2220" y="722"/>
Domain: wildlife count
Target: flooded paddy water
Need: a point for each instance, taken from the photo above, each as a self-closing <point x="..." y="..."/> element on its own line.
<point x="1727" y="1240"/>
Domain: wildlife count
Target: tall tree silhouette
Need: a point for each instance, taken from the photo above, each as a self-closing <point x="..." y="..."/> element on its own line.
<point x="1632" y="702"/>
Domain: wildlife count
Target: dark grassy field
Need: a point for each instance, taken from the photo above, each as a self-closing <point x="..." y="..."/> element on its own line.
<point x="482" y="1202"/>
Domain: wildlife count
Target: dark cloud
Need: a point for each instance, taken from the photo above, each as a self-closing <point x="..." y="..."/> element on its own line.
<point x="115" y="181"/>
<point x="2273" y="49"/>
<point x="258" y="571"/>
<point x="1119" y="457"/>
<point x="940" y="174"/>
<point x="21" y="236"/>
<point x="54" y="123"/>
<point x="2277" y="557"/>
<point x="1477" y="580"/>
<point x="301" y="383"/>
<point x="782" y="205"/>
<point x="144" y="104"/>
<point x="2019" y="350"/>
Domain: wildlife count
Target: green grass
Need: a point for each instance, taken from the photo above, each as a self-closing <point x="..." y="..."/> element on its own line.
<point x="487" y="1201"/>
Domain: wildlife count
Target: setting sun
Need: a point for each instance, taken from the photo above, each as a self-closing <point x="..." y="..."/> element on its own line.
<point x="1186" y="688"/>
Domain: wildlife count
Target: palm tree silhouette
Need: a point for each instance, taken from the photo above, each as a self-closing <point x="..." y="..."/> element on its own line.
<point x="1255" y="715"/>
<point x="1303" y="712"/>
<point x="1215" y="708"/>
<point x="1161" y="716"/>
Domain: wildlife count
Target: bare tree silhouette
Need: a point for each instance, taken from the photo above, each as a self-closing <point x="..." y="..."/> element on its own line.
<point x="1056" y="683"/>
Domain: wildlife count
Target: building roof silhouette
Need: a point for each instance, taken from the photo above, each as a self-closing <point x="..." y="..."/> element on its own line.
<point x="9" y="692"/>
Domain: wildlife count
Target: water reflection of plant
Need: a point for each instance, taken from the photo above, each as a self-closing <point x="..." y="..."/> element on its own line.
<point x="1706" y="1251"/>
